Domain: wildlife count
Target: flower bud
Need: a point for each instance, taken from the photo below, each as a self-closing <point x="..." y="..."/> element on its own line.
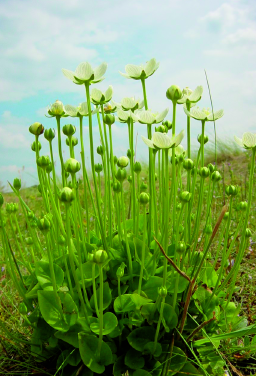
<point x="162" y="291"/>
<point x="36" y="129"/>
<point x="48" y="168"/>
<point x="123" y="162"/>
<point x="17" y="184"/>
<point x="181" y="247"/>
<point x="248" y="233"/>
<point x="100" y="150"/>
<point x="121" y="175"/>
<point x="208" y="229"/>
<point x="231" y="190"/>
<point x="180" y="158"/>
<point x="167" y="124"/>
<point x="74" y="141"/>
<point x="226" y="216"/>
<point x="117" y="187"/>
<point x="242" y="206"/>
<point x="216" y="176"/>
<point x="98" y="168"/>
<point x="129" y="153"/>
<point x="69" y="184"/>
<point x="66" y="195"/>
<point x="109" y="119"/>
<point x="69" y="130"/>
<point x="161" y="129"/>
<point x="137" y="167"/>
<point x="44" y="224"/>
<point x="211" y="167"/>
<point x="143" y="187"/>
<point x="204" y="172"/>
<point x="199" y="138"/>
<point x="29" y="241"/>
<point x="178" y="207"/>
<point x="129" y="178"/>
<point x="115" y="159"/>
<point x="56" y="109"/>
<point x="100" y="256"/>
<point x="120" y="270"/>
<point x="49" y="134"/>
<point x="181" y="229"/>
<point x="185" y="197"/>
<point x="174" y="93"/>
<point x="30" y="215"/>
<point x="72" y="165"/>
<point x="9" y="208"/>
<point x="15" y="207"/>
<point x="33" y="146"/>
<point x="143" y="198"/>
<point x="188" y="164"/>
<point x="43" y="161"/>
<point x="194" y="171"/>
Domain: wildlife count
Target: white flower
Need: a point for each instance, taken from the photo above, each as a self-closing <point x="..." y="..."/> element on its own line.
<point x="204" y="114"/>
<point x="148" y="117"/>
<point x="143" y="71"/>
<point x="125" y="116"/>
<point x="98" y="97"/>
<point x="163" y="141"/>
<point x="131" y="104"/>
<point x="248" y="140"/>
<point x="191" y="96"/>
<point x="81" y="110"/>
<point x="85" y="74"/>
<point x="56" y="109"/>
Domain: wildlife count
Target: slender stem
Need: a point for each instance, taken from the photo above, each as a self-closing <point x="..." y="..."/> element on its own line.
<point x="101" y="311"/>
<point x="60" y="152"/>
<point x="143" y="249"/>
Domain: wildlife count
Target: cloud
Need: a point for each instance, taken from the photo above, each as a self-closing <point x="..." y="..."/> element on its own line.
<point x="241" y="37"/>
<point x="13" y="134"/>
<point x="16" y="169"/>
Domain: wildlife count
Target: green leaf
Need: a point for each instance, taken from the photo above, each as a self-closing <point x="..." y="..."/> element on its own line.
<point x="189" y="370"/>
<point x="87" y="272"/>
<point x="107" y="297"/>
<point x="124" y="304"/>
<point x="88" y="346"/>
<point x="178" y="361"/>
<point x="139" y="337"/>
<point x="70" y="337"/>
<point x="209" y="276"/>
<point x="139" y="300"/>
<point x="169" y="316"/>
<point x="134" y="360"/>
<point x="50" y="310"/>
<point x="44" y="276"/>
<point x="110" y="322"/>
<point x="151" y="287"/>
<point x="152" y="349"/>
<point x="70" y="310"/>
<point x="141" y="372"/>
<point x="119" y="367"/>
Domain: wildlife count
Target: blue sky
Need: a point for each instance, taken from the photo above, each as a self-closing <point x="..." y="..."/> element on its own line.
<point x="37" y="39"/>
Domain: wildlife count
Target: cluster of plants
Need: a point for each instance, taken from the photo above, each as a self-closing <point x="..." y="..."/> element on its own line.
<point x="121" y="274"/>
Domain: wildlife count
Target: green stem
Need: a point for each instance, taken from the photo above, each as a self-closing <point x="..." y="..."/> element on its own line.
<point x="143" y="250"/>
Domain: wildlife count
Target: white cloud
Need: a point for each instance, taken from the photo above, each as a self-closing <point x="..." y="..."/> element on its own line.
<point x="16" y="169"/>
<point x="241" y="37"/>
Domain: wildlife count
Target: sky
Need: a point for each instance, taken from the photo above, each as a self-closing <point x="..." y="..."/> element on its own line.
<point x="38" y="38"/>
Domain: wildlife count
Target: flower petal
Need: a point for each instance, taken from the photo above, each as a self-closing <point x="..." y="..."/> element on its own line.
<point x="177" y="139"/>
<point x="122" y="115"/>
<point x="249" y="140"/>
<point x="216" y="115"/>
<point x="128" y="103"/>
<point x="197" y="114"/>
<point x="145" y="117"/>
<point x="150" y="67"/>
<point x="96" y="95"/>
<point x="100" y="71"/>
<point x="148" y="142"/>
<point x="196" y="94"/>
<point x="109" y="93"/>
<point x="160" y="117"/>
<point x="70" y="110"/>
<point x="84" y="71"/>
<point x="125" y="75"/>
<point x="68" y="73"/>
<point x="161" y="140"/>
<point x="84" y="109"/>
<point x="239" y="141"/>
<point x="133" y="71"/>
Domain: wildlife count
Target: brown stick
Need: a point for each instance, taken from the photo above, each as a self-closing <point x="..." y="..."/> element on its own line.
<point x="200" y="327"/>
<point x="184" y="314"/>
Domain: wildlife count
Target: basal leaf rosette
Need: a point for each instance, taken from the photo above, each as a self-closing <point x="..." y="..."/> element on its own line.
<point x="84" y="73"/>
<point x="78" y="111"/>
<point x="99" y="98"/>
<point x="190" y="96"/>
<point x="248" y="140"/>
<point x="163" y="141"/>
<point x="143" y="71"/>
<point x="204" y="114"/>
<point x="149" y="117"/>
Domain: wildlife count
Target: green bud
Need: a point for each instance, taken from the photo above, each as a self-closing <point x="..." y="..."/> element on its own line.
<point x="120" y="270"/>
<point x="109" y="119"/>
<point x="248" y="233"/>
<point x="123" y="162"/>
<point x="162" y="291"/>
<point x="29" y="241"/>
<point x="56" y="109"/>
<point x="61" y="240"/>
<point x="161" y="129"/>
<point x="204" y="172"/>
<point x="129" y="153"/>
<point x="174" y="93"/>
<point x="167" y="124"/>
<point x="194" y="171"/>
<point x="180" y="158"/>
<point x="69" y="184"/>
<point x="44" y="224"/>
<point x="188" y="164"/>
<point x="121" y="175"/>
<point x="143" y="198"/>
<point x="129" y="178"/>
<point x="69" y="130"/>
<point x="178" y="207"/>
<point x="199" y="138"/>
<point x="100" y="150"/>
<point x="15" y="207"/>
<point x="98" y="167"/>
<point x="211" y="167"/>
<point x="66" y="195"/>
<point x="49" y="134"/>
<point x="226" y="216"/>
<point x="216" y="176"/>
<point x="137" y="167"/>
<point x="115" y="159"/>
<point x="48" y="168"/>
<point x="185" y="196"/>
<point x="242" y="206"/>
<point x="208" y="229"/>
<point x="117" y="187"/>
<point x="181" y="229"/>
<point x="100" y="256"/>
<point x="30" y="215"/>
<point x="33" y="146"/>
<point x="43" y="161"/>
<point x="36" y="129"/>
<point x="181" y="247"/>
<point x="74" y="141"/>
<point x="231" y="190"/>
<point x="143" y="187"/>
<point x="9" y="208"/>
<point x="72" y="165"/>
<point x="17" y="184"/>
